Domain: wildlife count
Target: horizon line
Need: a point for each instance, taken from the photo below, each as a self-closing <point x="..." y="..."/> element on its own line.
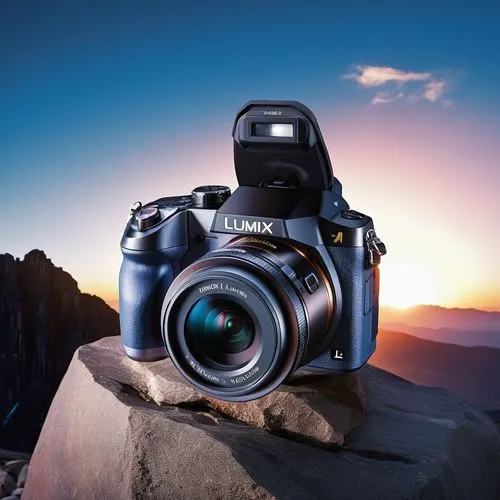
<point x="114" y="304"/>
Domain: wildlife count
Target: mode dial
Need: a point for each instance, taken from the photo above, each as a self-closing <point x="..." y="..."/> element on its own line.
<point x="210" y="196"/>
<point x="147" y="217"/>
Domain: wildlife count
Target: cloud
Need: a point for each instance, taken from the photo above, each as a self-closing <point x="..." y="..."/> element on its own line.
<point x="423" y="85"/>
<point x="385" y="97"/>
<point x="434" y="89"/>
<point x="371" y="76"/>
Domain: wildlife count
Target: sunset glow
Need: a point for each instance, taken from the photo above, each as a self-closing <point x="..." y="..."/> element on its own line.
<point x="405" y="284"/>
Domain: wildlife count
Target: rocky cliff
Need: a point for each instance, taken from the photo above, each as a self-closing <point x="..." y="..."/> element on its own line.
<point x="43" y="318"/>
<point x="127" y="430"/>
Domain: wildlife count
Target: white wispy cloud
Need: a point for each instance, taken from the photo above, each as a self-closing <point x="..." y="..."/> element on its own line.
<point x="434" y="90"/>
<point x="385" y="97"/>
<point x="423" y="85"/>
<point x="371" y="76"/>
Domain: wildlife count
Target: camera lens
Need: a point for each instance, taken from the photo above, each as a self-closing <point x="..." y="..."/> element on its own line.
<point x="242" y="318"/>
<point x="219" y="332"/>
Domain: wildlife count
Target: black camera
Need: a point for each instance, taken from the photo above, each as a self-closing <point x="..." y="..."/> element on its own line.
<point x="242" y="289"/>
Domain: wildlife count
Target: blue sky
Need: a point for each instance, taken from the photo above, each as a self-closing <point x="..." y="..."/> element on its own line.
<point x="102" y="103"/>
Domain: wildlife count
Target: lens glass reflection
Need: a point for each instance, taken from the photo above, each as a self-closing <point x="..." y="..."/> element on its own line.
<point x="220" y="331"/>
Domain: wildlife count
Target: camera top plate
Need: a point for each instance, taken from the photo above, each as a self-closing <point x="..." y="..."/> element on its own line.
<point x="279" y="144"/>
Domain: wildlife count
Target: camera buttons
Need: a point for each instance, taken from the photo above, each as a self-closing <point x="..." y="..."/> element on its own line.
<point x="311" y="282"/>
<point x="352" y="214"/>
<point x="147" y="217"/>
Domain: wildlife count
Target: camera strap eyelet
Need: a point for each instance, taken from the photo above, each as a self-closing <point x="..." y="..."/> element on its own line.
<point x="375" y="248"/>
<point x="135" y="208"/>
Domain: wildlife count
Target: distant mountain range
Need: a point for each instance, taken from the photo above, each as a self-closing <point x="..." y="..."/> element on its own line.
<point x="466" y="327"/>
<point x="44" y="318"/>
<point x="457" y="349"/>
<point x="470" y="372"/>
<point x="470" y="338"/>
<point x="435" y="317"/>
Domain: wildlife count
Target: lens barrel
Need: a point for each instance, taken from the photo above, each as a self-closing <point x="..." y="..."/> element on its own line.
<point x="242" y="318"/>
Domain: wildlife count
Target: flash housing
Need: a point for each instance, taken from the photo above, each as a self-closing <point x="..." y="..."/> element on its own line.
<point x="280" y="142"/>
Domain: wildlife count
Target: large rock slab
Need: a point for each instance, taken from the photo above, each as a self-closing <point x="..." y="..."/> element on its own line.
<point x="311" y="406"/>
<point x="121" y="429"/>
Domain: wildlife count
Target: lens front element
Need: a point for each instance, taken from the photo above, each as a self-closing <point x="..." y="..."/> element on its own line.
<point x="219" y="332"/>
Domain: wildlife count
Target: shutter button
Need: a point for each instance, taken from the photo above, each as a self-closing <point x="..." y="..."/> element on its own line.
<point x="311" y="282"/>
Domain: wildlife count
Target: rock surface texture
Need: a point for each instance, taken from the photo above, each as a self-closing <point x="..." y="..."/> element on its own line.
<point x="122" y="429"/>
<point x="43" y="318"/>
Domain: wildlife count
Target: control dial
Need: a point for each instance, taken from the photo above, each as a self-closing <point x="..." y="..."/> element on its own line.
<point x="147" y="217"/>
<point x="210" y="196"/>
<point x="353" y="215"/>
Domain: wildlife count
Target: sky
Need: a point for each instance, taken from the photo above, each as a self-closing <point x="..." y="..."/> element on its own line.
<point x="103" y="104"/>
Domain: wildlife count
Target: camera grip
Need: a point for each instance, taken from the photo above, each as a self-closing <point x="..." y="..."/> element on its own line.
<point x="359" y="320"/>
<point x="144" y="279"/>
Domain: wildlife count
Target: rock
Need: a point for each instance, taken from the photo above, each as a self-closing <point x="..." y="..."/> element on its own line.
<point x="7" y="484"/>
<point x="17" y="492"/>
<point x="21" y="479"/>
<point x="139" y="431"/>
<point x="44" y="318"/>
<point x="13" y="467"/>
<point x="312" y="407"/>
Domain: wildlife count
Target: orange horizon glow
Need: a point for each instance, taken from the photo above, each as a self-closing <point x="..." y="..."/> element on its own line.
<point x="404" y="284"/>
<point x="112" y="300"/>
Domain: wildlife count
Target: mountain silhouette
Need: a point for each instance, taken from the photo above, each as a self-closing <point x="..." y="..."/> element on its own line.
<point x="469" y="338"/>
<point x="436" y="317"/>
<point x="44" y="318"/>
<point x="470" y="372"/>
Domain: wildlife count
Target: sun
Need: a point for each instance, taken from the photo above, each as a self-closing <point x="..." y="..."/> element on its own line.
<point x="405" y="284"/>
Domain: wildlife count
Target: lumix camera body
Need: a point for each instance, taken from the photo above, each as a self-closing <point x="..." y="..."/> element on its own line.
<point x="242" y="289"/>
